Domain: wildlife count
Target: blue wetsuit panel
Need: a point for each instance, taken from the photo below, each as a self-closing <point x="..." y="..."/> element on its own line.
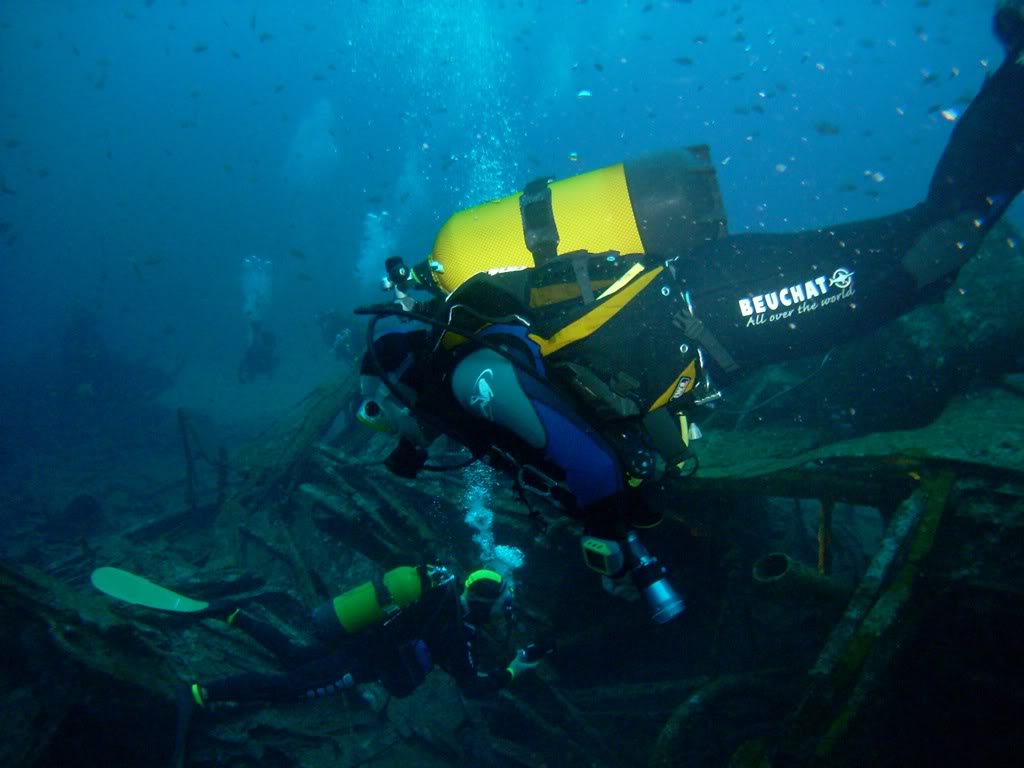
<point x="591" y="469"/>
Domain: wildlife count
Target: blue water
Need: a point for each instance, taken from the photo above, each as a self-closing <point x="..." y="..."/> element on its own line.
<point x="147" y="147"/>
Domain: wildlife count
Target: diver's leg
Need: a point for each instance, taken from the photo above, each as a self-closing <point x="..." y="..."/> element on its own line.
<point x="982" y="167"/>
<point x="771" y="298"/>
<point x="272" y="638"/>
<point x="320" y="677"/>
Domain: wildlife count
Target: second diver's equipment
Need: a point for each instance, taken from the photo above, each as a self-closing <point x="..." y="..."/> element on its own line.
<point x="136" y="590"/>
<point x="373" y="601"/>
<point x="485" y="590"/>
<point x="649" y="576"/>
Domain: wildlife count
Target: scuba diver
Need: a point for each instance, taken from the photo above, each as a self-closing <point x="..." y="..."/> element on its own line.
<point x="260" y="357"/>
<point x="574" y="329"/>
<point x="336" y="332"/>
<point x="392" y="630"/>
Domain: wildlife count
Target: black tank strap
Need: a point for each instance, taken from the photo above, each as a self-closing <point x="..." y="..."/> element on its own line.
<point x="384" y="597"/>
<point x="539" y="228"/>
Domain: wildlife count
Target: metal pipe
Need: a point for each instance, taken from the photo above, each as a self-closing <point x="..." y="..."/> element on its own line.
<point x="781" y="577"/>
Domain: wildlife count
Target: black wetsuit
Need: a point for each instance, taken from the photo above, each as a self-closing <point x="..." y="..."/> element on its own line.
<point x="399" y="654"/>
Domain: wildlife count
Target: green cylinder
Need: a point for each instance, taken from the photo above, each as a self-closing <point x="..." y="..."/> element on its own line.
<point x="360" y="607"/>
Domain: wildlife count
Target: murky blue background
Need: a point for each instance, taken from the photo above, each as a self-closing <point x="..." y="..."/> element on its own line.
<point x="147" y="147"/>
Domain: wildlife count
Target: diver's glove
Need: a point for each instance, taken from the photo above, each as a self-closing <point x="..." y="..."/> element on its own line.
<point x="406" y="460"/>
<point x="528" y="658"/>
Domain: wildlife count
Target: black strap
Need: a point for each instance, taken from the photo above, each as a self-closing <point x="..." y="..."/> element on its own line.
<point x="581" y="268"/>
<point x="385" y="599"/>
<point x="696" y="331"/>
<point x="539" y="228"/>
<point x="664" y="432"/>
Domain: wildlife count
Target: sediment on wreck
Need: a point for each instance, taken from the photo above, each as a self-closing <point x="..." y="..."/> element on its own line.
<point x="908" y="633"/>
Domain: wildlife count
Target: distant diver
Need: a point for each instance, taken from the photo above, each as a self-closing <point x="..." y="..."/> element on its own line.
<point x="573" y="329"/>
<point x="336" y="333"/>
<point x="260" y="356"/>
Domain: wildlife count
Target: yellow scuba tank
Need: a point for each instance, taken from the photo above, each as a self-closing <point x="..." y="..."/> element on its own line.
<point x="370" y="603"/>
<point x="661" y="204"/>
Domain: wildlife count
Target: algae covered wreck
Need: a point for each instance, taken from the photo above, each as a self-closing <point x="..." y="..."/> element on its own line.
<point x="847" y="580"/>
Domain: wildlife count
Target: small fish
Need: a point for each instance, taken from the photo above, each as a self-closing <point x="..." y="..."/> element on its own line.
<point x="265" y="37"/>
<point x="200" y="47"/>
<point x="304" y="277"/>
<point x="683" y="61"/>
<point x="297" y="253"/>
<point x="826" y="128"/>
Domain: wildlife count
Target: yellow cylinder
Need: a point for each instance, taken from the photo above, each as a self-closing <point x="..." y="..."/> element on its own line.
<point x="592" y="212"/>
<point x="663" y="204"/>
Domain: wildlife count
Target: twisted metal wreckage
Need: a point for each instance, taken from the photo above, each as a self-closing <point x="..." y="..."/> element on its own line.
<point x="777" y="662"/>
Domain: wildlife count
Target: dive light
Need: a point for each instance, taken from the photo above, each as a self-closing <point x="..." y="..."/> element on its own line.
<point x="649" y="577"/>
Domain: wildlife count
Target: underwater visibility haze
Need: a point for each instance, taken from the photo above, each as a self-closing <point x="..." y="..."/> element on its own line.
<point x="194" y="196"/>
